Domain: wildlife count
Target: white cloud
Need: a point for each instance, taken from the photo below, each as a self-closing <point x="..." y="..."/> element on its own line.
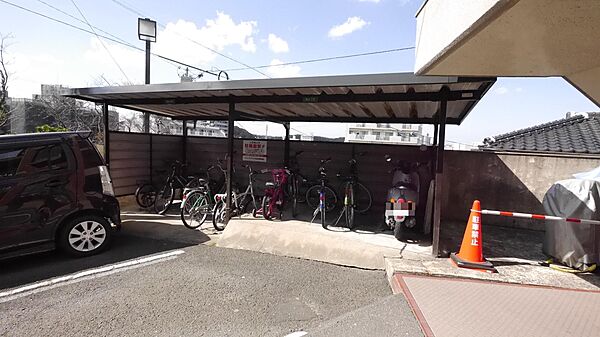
<point x="519" y="89"/>
<point x="219" y="33"/>
<point x="352" y="24"/>
<point x="277" y="70"/>
<point x="501" y="90"/>
<point x="277" y="44"/>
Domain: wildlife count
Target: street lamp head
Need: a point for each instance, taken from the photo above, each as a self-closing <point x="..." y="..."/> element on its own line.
<point x="147" y="30"/>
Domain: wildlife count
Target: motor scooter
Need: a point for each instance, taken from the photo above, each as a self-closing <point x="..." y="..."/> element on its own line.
<point x="402" y="197"/>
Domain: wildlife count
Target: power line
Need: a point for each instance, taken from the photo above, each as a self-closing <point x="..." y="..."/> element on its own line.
<point x="120" y="3"/>
<point x="328" y="58"/>
<point x="116" y="40"/>
<point x="124" y="42"/>
<point x="101" y="42"/>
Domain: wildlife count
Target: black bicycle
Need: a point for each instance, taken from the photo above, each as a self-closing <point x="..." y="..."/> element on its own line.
<point x="175" y="180"/>
<point x="321" y="195"/>
<point x="296" y="182"/>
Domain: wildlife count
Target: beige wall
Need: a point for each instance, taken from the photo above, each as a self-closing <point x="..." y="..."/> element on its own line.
<point x="506" y="182"/>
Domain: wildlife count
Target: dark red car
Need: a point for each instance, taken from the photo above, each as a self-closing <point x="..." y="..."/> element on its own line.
<point x="55" y="191"/>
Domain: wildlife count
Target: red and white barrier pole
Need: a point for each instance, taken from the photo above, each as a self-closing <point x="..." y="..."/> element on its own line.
<point x="537" y="216"/>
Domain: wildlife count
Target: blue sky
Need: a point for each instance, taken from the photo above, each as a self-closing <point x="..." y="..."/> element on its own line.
<point x="258" y="32"/>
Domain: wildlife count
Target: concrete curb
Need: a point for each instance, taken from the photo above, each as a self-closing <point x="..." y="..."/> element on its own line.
<point x="298" y="239"/>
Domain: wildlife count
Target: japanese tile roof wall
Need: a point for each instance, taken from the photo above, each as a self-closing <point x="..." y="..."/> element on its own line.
<point x="577" y="134"/>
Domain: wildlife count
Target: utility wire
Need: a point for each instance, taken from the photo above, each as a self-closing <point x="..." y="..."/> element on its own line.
<point x="124" y="42"/>
<point x="102" y="42"/>
<point x="106" y="37"/>
<point x="120" y="3"/>
<point x="328" y="58"/>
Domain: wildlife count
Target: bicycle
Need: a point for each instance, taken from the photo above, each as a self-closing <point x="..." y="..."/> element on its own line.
<point x="326" y="195"/>
<point x="145" y="194"/>
<point x="295" y="182"/>
<point x="199" y="202"/>
<point x="350" y="201"/>
<point x="175" y="180"/>
<point x="274" y="198"/>
<point x="240" y="202"/>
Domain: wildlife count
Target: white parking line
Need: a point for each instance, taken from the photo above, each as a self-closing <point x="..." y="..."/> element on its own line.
<point x="297" y="334"/>
<point x="90" y="273"/>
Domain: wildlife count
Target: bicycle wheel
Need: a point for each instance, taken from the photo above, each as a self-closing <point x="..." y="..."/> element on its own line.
<point x="323" y="217"/>
<point x="312" y="197"/>
<point x="266" y="200"/>
<point x="350" y="209"/>
<point x="145" y="195"/>
<point x="294" y="197"/>
<point x="362" y="198"/>
<point x="194" y="210"/>
<point x="219" y="219"/>
<point x="164" y="199"/>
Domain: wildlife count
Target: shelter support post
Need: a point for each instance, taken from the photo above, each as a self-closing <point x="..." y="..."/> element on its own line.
<point x="230" y="129"/>
<point x="184" y="145"/>
<point x="439" y="173"/>
<point x="435" y="133"/>
<point x="286" y="147"/>
<point x="106" y="134"/>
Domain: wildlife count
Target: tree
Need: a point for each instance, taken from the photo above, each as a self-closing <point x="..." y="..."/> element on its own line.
<point x="132" y="123"/>
<point x="4" y="75"/>
<point x="71" y="114"/>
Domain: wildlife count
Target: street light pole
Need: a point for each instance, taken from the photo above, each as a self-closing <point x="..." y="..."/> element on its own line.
<point x="147" y="32"/>
<point x="147" y="81"/>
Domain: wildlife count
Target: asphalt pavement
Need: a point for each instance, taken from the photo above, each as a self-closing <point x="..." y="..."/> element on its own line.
<point x="206" y="291"/>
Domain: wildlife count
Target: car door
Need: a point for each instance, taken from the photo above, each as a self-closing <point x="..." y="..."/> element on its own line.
<point x="37" y="191"/>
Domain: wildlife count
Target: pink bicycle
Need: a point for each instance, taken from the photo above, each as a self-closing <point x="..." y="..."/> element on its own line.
<point x="274" y="199"/>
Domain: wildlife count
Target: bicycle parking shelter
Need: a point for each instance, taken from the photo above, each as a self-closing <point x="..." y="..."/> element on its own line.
<point x="379" y="98"/>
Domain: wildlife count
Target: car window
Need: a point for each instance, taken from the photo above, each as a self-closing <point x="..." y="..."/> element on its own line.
<point x="90" y="156"/>
<point x="49" y="157"/>
<point x="10" y="159"/>
<point x="34" y="159"/>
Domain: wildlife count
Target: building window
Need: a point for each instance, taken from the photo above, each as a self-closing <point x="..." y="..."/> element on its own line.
<point x="360" y="135"/>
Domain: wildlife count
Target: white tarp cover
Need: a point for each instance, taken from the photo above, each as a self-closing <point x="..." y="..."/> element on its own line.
<point x="573" y="244"/>
<point x="590" y="175"/>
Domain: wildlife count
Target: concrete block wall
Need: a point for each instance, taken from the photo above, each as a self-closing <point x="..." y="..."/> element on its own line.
<point x="505" y="181"/>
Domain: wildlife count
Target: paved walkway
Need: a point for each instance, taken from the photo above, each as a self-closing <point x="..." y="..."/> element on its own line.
<point x="457" y="307"/>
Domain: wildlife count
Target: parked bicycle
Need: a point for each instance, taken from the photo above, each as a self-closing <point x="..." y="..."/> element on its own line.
<point x="326" y="196"/>
<point x="357" y="197"/>
<point x="175" y="181"/>
<point x="274" y="198"/>
<point x="239" y="203"/>
<point x="297" y="184"/>
<point x="145" y="194"/>
<point x="199" y="202"/>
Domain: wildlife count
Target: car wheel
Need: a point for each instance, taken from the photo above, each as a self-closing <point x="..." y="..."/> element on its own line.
<point x="85" y="235"/>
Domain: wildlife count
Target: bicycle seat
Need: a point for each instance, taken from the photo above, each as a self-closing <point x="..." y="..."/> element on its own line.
<point x="202" y="181"/>
<point x="345" y="178"/>
<point x="269" y="184"/>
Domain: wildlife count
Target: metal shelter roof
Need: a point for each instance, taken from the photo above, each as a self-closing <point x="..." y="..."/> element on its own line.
<point x="394" y="97"/>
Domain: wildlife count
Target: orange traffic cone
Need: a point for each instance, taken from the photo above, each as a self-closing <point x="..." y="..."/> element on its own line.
<point x="471" y="249"/>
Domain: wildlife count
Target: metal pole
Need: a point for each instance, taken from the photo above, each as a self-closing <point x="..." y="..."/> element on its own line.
<point x="286" y="145"/>
<point x="147" y="115"/>
<point x="106" y="134"/>
<point x="184" y="145"/>
<point x="435" y="134"/>
<point x="439" y="173"/>
<point x="230" y="130"/>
